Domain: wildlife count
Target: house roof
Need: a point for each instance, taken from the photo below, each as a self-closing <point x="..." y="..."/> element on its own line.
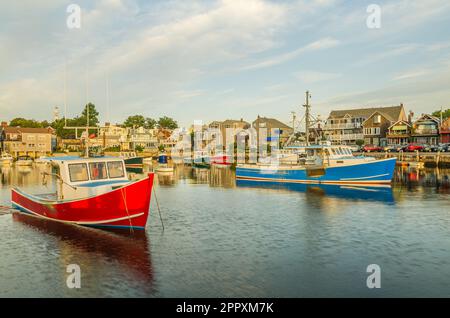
<point x="18" y="130"/>
<point x="391" y="112"/>
<point x="404" y="122"/>
<point x="272" y="121"/>
<point x="426" y="116"/>
<point x="233" y="121"/>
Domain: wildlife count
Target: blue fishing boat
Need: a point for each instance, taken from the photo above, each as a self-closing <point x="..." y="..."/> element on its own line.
<point x="322" y="164"/>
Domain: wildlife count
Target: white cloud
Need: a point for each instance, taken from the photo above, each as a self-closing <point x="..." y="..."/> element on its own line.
<point x="321" y="44"/>
<point x="309" y="77"/>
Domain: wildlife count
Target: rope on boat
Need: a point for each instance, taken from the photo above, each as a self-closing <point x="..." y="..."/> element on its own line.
<point x="126" y="209"/>
<point x="159" y="210"/>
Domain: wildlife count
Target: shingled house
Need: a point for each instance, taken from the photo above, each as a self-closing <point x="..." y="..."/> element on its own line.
<point x="273" y="126"/>
<point x="366" y="124"/>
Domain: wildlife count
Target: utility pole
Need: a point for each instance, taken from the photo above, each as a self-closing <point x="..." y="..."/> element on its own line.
<point x="293" y="121"/>
<point x="307" y="120"/>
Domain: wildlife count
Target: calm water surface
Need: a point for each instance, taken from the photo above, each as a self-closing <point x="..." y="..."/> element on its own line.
<point x="224" y="239"/>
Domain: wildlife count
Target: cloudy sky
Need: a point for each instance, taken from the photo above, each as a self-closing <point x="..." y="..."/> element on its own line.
<point x="219" y="59"/>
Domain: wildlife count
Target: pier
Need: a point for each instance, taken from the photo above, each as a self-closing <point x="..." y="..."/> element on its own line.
<point x="418" y="159"/>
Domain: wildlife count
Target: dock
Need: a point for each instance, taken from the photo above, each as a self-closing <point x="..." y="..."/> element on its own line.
<point x="414" y="159"/>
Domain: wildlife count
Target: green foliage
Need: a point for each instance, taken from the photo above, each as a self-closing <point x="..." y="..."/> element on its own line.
<point x="93" y="115"/>
<point x="359" y="142"/>
<point x="27" y="123"/>
<point x="79" y="121"/>
<point x="136" y="120"/>
<point x="150" y="123"/>
<point x="140" y="121"/>
<point x="113" y="149"/>
<point x="139" y="148"/>
<point x="445" y="114"/>
<point x="167" y="122"/>
<point x="161" y="148"/>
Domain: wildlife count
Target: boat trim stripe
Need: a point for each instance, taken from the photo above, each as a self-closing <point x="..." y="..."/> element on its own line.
<point x="78" y="222"/>
<point x="372" y="182"/>
<point x="379" y="175"/>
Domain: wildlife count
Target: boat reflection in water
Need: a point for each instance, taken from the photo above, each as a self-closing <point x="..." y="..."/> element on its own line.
<point x="383" y="193"/>
<point x="88" y="246"/>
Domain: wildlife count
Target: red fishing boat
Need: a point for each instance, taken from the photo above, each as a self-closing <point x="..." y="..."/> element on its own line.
<point x="91" y="192"/>
<point x="221" y="160"/>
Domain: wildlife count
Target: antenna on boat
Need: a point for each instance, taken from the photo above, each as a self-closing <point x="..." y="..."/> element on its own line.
<point x="307" y="117"/>
<point x="65" y="93"/>
<point x="87" y="113"/>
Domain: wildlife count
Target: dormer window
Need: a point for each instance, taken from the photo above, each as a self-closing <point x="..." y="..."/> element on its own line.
<point x="377" y="119"/>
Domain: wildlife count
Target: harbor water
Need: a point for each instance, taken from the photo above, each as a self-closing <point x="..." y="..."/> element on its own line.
<point x="224" y="238"/>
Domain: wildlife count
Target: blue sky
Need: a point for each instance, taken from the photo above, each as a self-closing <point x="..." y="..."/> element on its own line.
<point x="213" y="60"/>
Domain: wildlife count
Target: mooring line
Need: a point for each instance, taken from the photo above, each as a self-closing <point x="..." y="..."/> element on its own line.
<point x="159" y="210"/>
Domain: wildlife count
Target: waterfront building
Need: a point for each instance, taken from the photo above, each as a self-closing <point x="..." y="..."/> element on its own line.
<point x="222" y="126"/>
<point x="399" y="133"/>
<point x="281" y="130"/>
<point x="444" y="131"/>
<point x="143" y="137"/>
<point x="113" y="136"/>
<point x="33" y="142"/>
<point x="346" y="126"/>
<point x="425" y="130"/>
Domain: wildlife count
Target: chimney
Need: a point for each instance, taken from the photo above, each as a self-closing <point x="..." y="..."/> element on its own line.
<point x="410" y="116"/>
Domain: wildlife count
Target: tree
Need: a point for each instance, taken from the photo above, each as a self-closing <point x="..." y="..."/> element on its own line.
<point x="139" y="148"/>
<point x="93" y="115"/>
<point x="359" y="142"/>
<point x="150" y="123"/>
<point x="79" y="121"/>
<point x="136" y="120"/>
<point x="445" y="114"/>
<point x="167" y="122"/>
<point x="25" y="123"/>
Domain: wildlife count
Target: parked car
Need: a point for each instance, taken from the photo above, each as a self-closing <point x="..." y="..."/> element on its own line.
<point x="446" y="147"/>
<point x="390" y="148"/>
<point x="372" y="148"/>
<point x="414" y="147"/>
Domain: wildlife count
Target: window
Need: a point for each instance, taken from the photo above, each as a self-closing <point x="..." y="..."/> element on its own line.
<point x="98" y="170"/>
<point x="115" y="169"/>
<point x="377" y="119"/>
<point x="78" y="172"/>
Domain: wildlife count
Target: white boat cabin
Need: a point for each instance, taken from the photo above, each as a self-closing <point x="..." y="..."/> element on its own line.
<point x="331" y="155"/>
<point x="85" y="177"/>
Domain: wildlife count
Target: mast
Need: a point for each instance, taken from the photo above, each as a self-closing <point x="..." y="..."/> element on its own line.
<point x="307" y="115"/>
<point x="65" y="93"/>
<point x="87" y="114"/>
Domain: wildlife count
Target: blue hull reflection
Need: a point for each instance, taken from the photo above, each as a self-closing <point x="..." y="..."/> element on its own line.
<point x="367" y="193"/>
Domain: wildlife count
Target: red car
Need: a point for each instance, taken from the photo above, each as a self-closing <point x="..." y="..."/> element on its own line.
<point x="414" y="147"/>
<point x="372" y="148"/>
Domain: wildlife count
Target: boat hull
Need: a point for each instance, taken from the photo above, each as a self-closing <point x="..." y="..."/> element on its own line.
<point x="134" y="162"/>
<point x="125" y="207"/>
<point x="372" y="172"/>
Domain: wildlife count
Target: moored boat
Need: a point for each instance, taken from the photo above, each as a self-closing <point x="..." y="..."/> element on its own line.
<point x="131" y="159"/>
<point x="323" y="164"/>
<point x="221" y="161"/>
<point x="163" y="165"/>
<point x="6" y="159"/>
<point x="91" y="192"/>
<point x="24" y="161"/>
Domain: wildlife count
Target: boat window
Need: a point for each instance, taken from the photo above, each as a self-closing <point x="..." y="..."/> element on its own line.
<point x="78" y="172"/>
<point x="327" y="152"/>
<point x="98" y="170"/>
<point x="115" y="169"/>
